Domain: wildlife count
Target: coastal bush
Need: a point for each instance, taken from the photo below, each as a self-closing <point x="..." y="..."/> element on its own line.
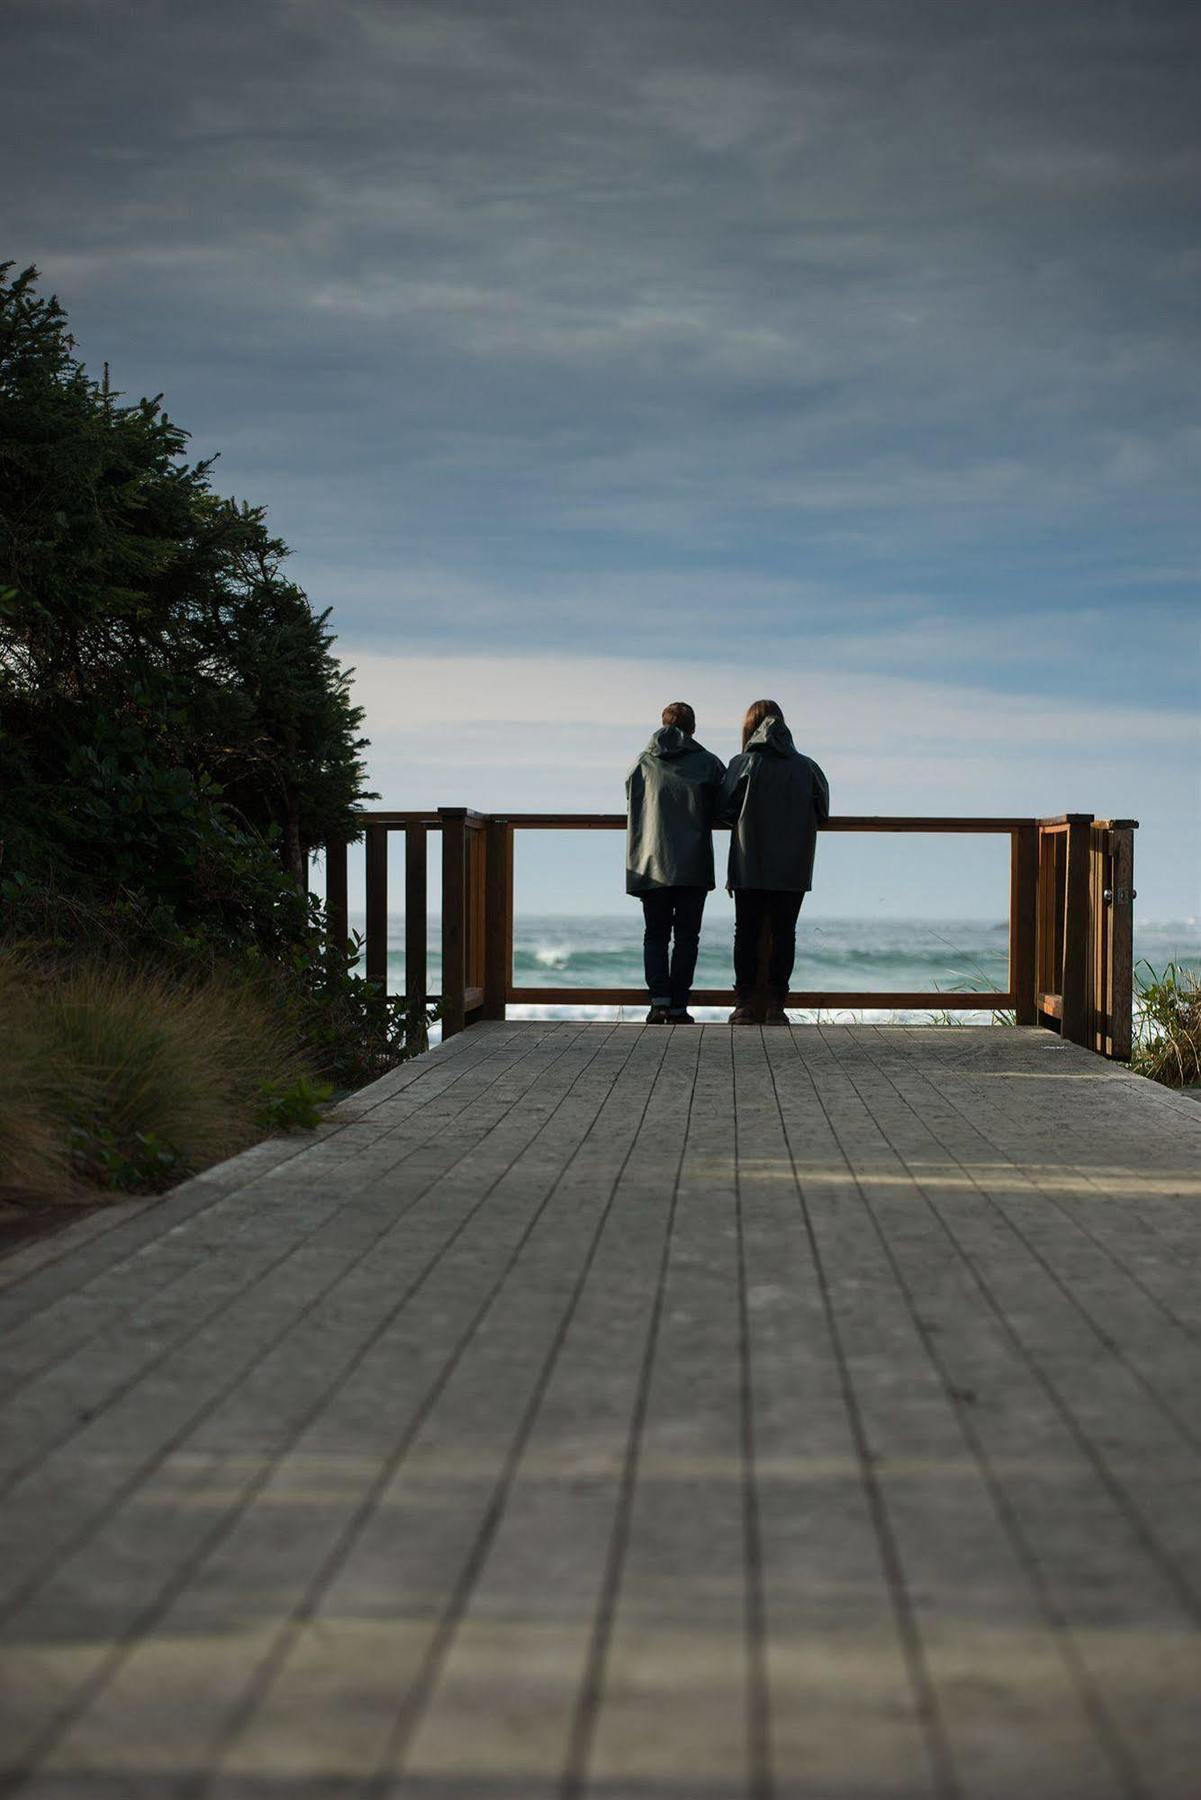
<point x="35" y="1148"/>
<point x="294" y="1108"/>
<point x="176" y="735"/>
<point x="131" y="1079"/>
<point x="1167" y="1006"/>
<point x="175" y="724"/>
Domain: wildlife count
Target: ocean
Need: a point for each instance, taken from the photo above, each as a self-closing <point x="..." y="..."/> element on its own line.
<point x="906" y="955"/>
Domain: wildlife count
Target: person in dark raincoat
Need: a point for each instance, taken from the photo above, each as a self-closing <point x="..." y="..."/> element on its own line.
<point x="671" y="803"/>
<point x="773" y="799"/>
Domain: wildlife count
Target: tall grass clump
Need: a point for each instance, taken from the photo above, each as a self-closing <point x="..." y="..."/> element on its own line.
<point x="35" y="1154"/>
<point x="1168" y="1024"/>
<point x="122" y="1078"/>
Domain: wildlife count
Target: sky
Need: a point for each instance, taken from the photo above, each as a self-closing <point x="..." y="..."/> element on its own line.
<point x="590" y="357"/>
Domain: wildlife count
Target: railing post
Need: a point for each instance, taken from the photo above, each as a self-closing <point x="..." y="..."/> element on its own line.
<point x="498" y="922"/>
<point x="1077" y="937"/>
<point x="377" y="905"/>
<point x="1023" y="923"/>
<point x="454" y="918"/>
<point x="1121" y="943"/>
<point x="416" y="947"/>
<point x="336" y="911"/>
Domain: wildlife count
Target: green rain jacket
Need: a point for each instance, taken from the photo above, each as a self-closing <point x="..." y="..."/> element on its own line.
<point x="773" y="799"/>
<point x="671" y="803"/>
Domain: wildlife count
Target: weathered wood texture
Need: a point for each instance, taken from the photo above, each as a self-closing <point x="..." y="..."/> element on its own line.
<point x="416" y="921"/>
<point x="605" y="1410"/>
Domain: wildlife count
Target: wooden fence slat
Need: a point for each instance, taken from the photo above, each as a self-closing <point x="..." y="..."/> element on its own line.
<point x="1122" y="943"/>
<point x="991" y="1001"/>
<point x="1100" y="996"/>
<point x="416" y="929"/>
<point x="336" y="912"/>
<point x="454" y="918"/>
<point x="1076" y="934"/>
<point x="477" y="909"/>
<point x="1023" y="923"/>
<point x="498" y="925"/>
<point x="377" y="904"/>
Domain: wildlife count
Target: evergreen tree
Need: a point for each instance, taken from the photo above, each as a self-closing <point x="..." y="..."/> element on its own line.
<point x="173" y="722"/>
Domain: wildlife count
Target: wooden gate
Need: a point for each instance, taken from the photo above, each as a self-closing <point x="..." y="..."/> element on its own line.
<point x="1085" y="940"/>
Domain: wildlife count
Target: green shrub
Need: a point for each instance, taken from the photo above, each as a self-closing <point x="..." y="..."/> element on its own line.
<point x="129" y="1078"/>
<point x="1168" y="1025"/>
<point x="295" y="1108"/>
<point x="35" y="1146"/>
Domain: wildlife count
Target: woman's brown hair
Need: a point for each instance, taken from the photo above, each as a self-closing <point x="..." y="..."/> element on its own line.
<point x="756" y="712"/>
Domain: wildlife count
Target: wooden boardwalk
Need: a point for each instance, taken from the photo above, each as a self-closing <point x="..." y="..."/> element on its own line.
<point x="642" y="1413"/>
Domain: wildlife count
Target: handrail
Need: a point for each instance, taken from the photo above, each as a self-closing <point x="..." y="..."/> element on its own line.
<point x="1070" y="918"/>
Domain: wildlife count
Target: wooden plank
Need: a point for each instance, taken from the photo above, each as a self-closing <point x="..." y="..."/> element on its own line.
<point x="1122" y="944"/>
<point x="454" y="918"/>
<point x="548" y="1577"/>
<point x="947" y="1543"/>
<point x="1077" y="936"/>
<point x="839" y="822"/>
<point x="1051" y="1004"/>
<point x="1050" y="911"/>
<point x="1099" y="993"/>
<point x="1023" y="923"/>
<point x="416" y="917"/>
<point x="476" y="905"/>
<point x="989" y="1001"/>
<point x="377" y="905"/>
<point x="498" y="929"/>
<point x="1008" y="1320"/>
<point x="819" y="1532"/>
<point x="435" y="1417"/>
<point x="335" y="894"/>
<point x="681" y="1703"/>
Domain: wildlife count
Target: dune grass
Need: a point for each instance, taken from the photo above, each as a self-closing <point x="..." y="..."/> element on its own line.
<point x="113" y="1077"/>
<point x="1167" y="1004"/>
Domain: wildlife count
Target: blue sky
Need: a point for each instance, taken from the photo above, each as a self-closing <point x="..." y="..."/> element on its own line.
<point x="594" y="356"/>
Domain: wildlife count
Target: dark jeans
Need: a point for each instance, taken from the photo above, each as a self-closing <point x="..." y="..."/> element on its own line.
<point x="673" y="918"/>
<point x="751" y="907"/>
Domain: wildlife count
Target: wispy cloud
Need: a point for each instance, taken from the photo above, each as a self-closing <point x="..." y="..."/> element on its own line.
<point x="854" y="337"/>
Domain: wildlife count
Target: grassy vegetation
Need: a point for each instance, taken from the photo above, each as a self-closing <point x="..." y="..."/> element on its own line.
<point x="1168" y="1025"/>
<point x="177" y="737"/>
<point x="126" y="1079"/>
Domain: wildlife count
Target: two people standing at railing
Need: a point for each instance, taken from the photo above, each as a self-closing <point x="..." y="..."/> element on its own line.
<point x="773" y="798"/>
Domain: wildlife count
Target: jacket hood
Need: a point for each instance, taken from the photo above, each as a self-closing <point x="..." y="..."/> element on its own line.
<point x="772" y="734"/>
<point x="669" y="740"/>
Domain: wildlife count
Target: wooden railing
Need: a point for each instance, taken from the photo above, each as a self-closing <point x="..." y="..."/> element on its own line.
<point x="1070" y="920"/>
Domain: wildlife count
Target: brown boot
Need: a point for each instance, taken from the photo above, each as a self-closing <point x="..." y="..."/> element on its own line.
<point x="776" y="1016"/>
<point x="743" y="1015"/>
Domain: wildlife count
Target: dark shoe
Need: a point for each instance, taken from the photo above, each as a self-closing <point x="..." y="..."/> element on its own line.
<point x="657" y="1016"/>
<point x="776" y="1016"/>
<point x="680" y="1015"/>
<point x="743" y="1015"/>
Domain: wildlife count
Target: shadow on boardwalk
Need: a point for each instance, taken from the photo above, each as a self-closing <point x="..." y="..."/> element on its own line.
<point x="602" y="1410"/>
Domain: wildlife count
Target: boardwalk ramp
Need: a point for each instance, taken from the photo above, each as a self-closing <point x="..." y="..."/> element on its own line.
<point x="596" y="1410"/>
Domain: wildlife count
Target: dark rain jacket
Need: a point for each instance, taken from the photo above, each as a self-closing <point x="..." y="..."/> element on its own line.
<point x="773" y="799"/>
<point x="671" y="803"/>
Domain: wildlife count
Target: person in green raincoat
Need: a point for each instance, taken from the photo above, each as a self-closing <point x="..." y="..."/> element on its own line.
<point x="671" y="803"/>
